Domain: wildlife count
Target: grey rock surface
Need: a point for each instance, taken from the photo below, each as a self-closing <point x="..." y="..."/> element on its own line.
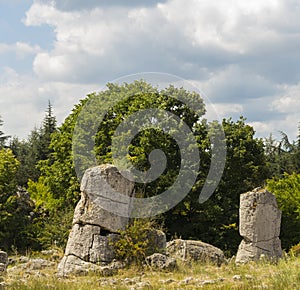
<point x="161" y="262"/>
<point x="195" y="251"/>
<point x="158" y="240"/>
<point x="259" y="226"/>
<point x="102" y="187"/>
<point x="71" y="265"/>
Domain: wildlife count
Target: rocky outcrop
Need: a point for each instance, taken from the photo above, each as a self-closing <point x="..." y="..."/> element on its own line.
<point x="95" y="228"/>
<point x="3" y="262"/>
<point x="260" y="221"/>
<point x="195" y="251"/>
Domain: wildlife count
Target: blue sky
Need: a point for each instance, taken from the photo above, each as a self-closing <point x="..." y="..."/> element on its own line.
<point x="243" y="55"/>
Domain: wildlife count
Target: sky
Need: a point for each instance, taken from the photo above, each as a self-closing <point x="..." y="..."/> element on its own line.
<point x="243" y="55"/>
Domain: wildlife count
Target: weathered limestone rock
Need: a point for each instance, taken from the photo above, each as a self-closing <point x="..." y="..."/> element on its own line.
<point x="259" y="226"/>
<point x="30" y="265"/>
<point x="94" y="227"/>
<point x="98" y="192"/>
<point x="195" y="250"/>
<point x="72" y="265"/>
<point x="158" y="240"/>
<point x="87" y="243"/>
<point x="3" y="262"/>
<point x="161" y="262"/>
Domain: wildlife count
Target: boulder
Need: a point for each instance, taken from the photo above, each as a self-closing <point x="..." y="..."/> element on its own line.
<point x="161" y="262"/>
<point x="72" y="265"/>
<point x="158" y="240"/>
<point x="29" y="266"/>
<point x="195" y="251"/>
<point x="259" y="226"/>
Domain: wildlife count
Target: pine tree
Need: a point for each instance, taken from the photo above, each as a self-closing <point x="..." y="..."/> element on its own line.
<point x="48" y="127"/>
<point x="36" y="148"/>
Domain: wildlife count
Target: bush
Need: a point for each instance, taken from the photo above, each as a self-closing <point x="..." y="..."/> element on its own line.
<point x="295" y="250"/>
<point x="136" y="242"/>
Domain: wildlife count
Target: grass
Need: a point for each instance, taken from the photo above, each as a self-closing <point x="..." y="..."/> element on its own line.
<point x="254" y="275"/>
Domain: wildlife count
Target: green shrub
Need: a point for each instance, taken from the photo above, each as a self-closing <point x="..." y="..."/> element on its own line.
<point x="136" y="242"/>
<point x="295" y="250"/>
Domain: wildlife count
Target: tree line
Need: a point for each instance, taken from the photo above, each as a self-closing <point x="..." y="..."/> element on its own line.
<point x="39" y="187"/>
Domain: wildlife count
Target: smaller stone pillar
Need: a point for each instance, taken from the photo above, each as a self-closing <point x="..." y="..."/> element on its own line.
<point x="259" y="226"/>
<point x="3" y="262"/>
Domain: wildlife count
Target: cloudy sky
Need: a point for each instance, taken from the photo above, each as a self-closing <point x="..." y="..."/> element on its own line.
<point x="244" y="55"/>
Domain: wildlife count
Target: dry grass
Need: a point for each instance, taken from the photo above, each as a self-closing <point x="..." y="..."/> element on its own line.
<point x="259" y="275"/>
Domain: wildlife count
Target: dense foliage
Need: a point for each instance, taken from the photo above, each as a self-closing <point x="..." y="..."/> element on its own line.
<point x="287" y="192"/>
<point x="15" y="205"/>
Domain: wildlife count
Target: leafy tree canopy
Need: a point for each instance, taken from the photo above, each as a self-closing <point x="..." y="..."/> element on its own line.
<point x="287" y="192"/>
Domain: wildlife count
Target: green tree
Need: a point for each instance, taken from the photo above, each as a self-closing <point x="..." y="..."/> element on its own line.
<point x="283" y="156"/>
<point x="287" y="192"/>
<point x="57" y="189"/>
<point x="36" y="148"/>
<point x="216" y="220"/>
<point x="15" y="205"/>
<point x="47" y="129"/>
<point x="58" y="173"/>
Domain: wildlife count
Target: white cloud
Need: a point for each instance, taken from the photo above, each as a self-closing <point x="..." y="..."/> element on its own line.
<point x="238" y="52"/>
<point x="230" y="25"/>
<point x="288" y="125"/>
<point x="4" y="47"/>
<point x="226" y="110"/>
<point x="289" y="102"/>
<point x="24" y="101"/>
<point x="235" y="83"/>
<point x="20" y="49"/>
<point x="176" y="36"/>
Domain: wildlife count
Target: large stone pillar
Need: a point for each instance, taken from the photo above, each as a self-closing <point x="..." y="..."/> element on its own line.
<point x="95" y="227"/>
<point x="259" y="226"/>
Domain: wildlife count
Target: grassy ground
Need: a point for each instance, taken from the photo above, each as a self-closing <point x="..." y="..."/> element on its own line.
<point x="259" y="275"/>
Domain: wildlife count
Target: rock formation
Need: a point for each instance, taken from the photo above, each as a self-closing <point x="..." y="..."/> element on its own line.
<point x="195" y="251"/>
<point x="94" y="227"/>
<point x="161" y="262"/>
<point x="259" y="226"/>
